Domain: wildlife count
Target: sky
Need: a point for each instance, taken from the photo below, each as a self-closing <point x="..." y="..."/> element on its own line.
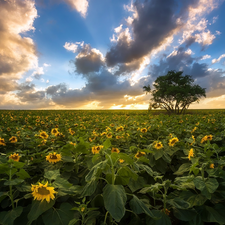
<point x="98" y="54"/>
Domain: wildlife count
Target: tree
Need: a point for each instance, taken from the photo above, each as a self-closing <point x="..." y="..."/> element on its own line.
<point x="174" y="92"/>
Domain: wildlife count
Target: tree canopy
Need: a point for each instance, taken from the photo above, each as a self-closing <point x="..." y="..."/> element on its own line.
<point x="174" y="92"/>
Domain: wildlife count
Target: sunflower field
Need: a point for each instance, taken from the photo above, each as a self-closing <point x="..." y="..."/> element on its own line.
<point x="111" y="167"/>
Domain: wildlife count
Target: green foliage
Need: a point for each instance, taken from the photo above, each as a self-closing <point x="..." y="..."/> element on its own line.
<point x="174" y="92"/>
<point x="116" y="167"/>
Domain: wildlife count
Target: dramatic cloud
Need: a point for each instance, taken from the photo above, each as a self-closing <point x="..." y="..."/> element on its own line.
<point x="180" y="60"/>
<point x="28" y="93"/>
<point x="87" y="60"/>
<point x="149" y="29"/>
<point x="17" y="53"/>
<point x="153" y="25"/>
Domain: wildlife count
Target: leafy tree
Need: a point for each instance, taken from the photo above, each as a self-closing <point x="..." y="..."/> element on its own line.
<point x="174" y="92"/>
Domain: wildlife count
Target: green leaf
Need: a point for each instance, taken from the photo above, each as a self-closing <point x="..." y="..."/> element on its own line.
<point x="52" y="174"/>
<point x="4" y="168"/>
<point x="14" y="181"/>
<point x="158" y="154"/>
<point x="135" y="185"/>
<point x="22" y="174"/>
<point x="206" y="187"/>
<point x="95" y="171"/>
<point x="73" y="221"/>
<point x="61" y="216"/>
<point x="61" y="183"/>
<point x="197" y="200"/>
<point x="178" y="203"/>
<point x="126" y="158"/>
<point x="91" y="217"/>
<point x="107" y="144"/>
<point x="183" y="168"/>
<point x="162" y="218"/>
<point x="38" y="208"/>
<point x="114" y="200"/>
<point x="215" y="214"/>
<point x="124" y="174"/>
<point x="89" y="188"/>
<point x="184" y="215"/>
<point x="18" y="165"/>
<point x="81" y="148"/>
<point x="7" y="218"/>
<point x="147" y="169"/>
<point x="139" y="207"/>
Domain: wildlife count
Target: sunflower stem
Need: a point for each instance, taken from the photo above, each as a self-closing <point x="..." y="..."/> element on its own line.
<point x="10" y="187"/>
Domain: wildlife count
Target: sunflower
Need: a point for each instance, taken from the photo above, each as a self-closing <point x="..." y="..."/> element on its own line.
<point x="42" y="191"/>
<point x="115" y="150"/>
<point x="43" y="135"/>
<point x="144" y="130"/>
<point x="104" y="133"/>
<point x="71" y="131"/>
<point x="139" y="154"/>
<point x="54" y="131"/>
<point x="211" y="166"/>
<point x="207" y="137"/>
<point x="158" y="145"/>
<point x="2" y="141"/>
<point x="109" y="135"/>
<point x="121" y="160"/>
<point x="13" y="139"/>
<point x="15" y="157"/>
<point x="96" y="149"/>
<point x="191" y="153"/>
<point x="53" y="157"/>
<point x="173" y="141"/>
<point x="8" y="129"/>
<point x="74" y="144"/>
<point x="121" y="128"/>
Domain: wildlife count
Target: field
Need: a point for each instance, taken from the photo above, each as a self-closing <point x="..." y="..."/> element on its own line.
<point x="112" y="167"/>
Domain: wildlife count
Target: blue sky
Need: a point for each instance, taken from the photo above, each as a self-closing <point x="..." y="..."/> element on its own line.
<point x="80" y="54"/>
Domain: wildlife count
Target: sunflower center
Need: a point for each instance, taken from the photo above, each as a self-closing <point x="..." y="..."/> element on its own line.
<point x="98" y="148"/>
<point x="54" y="131"/>
<point x="43" y="191"/>
<point x="139" y="155"/>
<point x="173" y="141"/>
<point x="14" y="157"/>
<point x="53" y="157"/>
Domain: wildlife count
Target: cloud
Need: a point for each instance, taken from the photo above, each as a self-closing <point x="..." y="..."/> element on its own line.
<point x="28" y="93"/>
<point x="38" y="72"/>
<point x="88" y="59"/>
<point x="71" y="46"/>
<point x="211" y="79"/>
<point x="17" y="53"/>
<point x="80" y="6"/>
<point x="218" y="60"/>
<point x="206" y="57"/>
<point x="7" y="85"/>
<point x="149" y="29"/>
<point x="195" y="28"/>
